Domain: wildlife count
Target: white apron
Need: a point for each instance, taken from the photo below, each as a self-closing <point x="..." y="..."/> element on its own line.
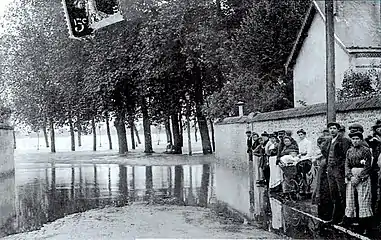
<point x="276" y="176"/>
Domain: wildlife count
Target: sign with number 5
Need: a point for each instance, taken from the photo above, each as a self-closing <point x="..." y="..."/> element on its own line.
<point x="86" y="16"/>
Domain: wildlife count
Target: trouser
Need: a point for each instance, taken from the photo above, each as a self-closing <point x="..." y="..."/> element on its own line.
<point x="336" y="181"/>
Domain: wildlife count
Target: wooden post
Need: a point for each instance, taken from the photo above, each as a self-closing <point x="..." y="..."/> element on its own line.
<point x="330" y="62"/>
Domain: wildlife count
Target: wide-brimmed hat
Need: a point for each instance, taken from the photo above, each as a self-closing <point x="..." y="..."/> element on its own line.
<point x="356" y="127"/>
<point x="272" y="135"/>
<point x="356" y="134"/>
<point x="325" y="130"/>
<point x="248" y="131"/>
<point x="333" y="124"/>
<point x="342" y="128"/>
<point x="301" y="131"/>
<point x="264" y="134"/>
<point x="377" y="125"/>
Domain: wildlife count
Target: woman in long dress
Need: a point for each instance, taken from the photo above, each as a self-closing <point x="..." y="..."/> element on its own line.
<point x="275" y="171"/>
<point x="321" y="195"/>
<point x="357" y="173"/>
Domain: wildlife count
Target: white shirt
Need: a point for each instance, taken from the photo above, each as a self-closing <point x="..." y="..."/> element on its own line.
<point x="305" y="147"/>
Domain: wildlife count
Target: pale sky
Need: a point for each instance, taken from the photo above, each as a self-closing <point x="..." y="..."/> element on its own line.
<point x="3" y="3"/>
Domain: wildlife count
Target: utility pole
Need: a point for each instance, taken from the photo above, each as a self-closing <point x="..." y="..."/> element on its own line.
<point x="330" y="61"/>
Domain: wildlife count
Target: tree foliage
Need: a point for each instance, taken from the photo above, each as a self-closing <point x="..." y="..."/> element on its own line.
<point x="358" y="84"/>
<point x="260" y="48"/>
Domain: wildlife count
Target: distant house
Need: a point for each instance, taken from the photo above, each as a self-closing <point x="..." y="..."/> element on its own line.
<point x="357" y="46"/>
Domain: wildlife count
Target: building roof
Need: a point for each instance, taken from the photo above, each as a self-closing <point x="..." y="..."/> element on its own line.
<point x="353" y="104"/>
<point x="350" y="43"/>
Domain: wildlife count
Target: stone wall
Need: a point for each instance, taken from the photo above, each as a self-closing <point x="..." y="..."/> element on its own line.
<point x="232" y="175"/>
<point x="7" y="164"/>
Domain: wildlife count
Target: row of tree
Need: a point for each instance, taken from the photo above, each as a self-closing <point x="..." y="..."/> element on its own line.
<point x="165" y="56"/>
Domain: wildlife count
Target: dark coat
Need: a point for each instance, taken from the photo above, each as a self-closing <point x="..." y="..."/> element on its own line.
<point x="375" y="145"/>
<point x="260" y="152"/>
<point x="249" y="142"/>
<point x="341" y="146"/>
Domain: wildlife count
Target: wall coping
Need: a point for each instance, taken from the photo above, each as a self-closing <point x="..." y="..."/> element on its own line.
<point x="6" y="127"/>
<point x="348" y="105"/>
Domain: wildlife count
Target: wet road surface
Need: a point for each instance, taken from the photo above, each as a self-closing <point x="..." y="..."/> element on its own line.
<point x="43" y="191"/>
<point x="47" y="187"/>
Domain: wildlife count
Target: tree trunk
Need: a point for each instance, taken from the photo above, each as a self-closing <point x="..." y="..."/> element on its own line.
<point x="52" y="137"/>
<point x="147" y="128"/>
<point x="79" y="127"/>
<point x="108" y="131"/>
<point x="195" y="130"/>
<point x="132" y="132"/>
<point x="212" y="132"/>
<point x="181" y="130"/>
<point x="219" y="9"/>
<point x="168" y="131"/>
<point x="137" y="134"/>
<point x="72" y="136"/>
<point x="121" y="132"/>
<point x="45" y="135"/>
<point x="176" y="134"/>
<point x="204" y="132"/>
<point x="14" y="139"/>
<point x="201" y="119"/>
<point x="94" y="129"/>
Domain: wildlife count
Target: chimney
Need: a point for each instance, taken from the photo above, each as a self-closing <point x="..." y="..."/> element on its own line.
<point x="240" y="108"/>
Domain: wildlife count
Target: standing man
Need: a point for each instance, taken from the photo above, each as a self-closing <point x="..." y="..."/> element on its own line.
<point x="337" y="150"/>
<point x="374" y="142"/>
<point x="249" y="141"/>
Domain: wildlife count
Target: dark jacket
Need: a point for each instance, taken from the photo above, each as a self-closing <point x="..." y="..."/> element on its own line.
<point x="288" y="149"/>
<point x="249" y="142"/>
<point x="374" y="143"/>
<point x="260" y="152"/>
<point x="341" y="146"/>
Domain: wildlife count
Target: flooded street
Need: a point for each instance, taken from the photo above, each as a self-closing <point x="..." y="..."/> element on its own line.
<point x="49" y="187"/>
<point x="44" y="192"/>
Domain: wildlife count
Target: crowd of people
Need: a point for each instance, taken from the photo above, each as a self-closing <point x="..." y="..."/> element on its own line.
<point x="347" y="182"/>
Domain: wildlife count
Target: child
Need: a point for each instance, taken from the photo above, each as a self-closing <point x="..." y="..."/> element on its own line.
<point x="290" y="159"/>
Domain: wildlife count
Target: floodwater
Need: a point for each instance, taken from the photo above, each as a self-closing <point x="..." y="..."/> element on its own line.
<point x="40" y="192"/>
<point x="43" y="193"/>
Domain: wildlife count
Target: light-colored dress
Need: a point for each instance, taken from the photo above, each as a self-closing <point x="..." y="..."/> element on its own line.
<point x="276" y="175"/>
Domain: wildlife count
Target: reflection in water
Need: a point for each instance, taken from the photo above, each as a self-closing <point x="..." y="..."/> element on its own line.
<point x="169" y="173"/>
<point x="122" y="184"/>
<point x="179" y="182"/>
<point x="7" y="204"/>
<point x="204" y="185"/>
<point x="190" y="200"/>
<point x="52" y="192"/>
<point x="270" y="211"/>
<point x="276" y="214"/>
<point x="149" y="183"/>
